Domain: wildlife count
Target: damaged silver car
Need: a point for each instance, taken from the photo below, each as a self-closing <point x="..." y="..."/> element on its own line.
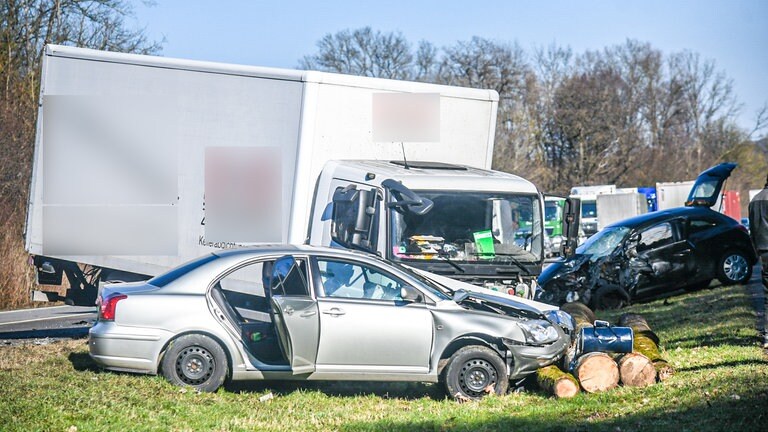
<point x="306" y="313"/>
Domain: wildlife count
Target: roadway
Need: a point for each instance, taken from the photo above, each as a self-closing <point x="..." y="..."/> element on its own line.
<point x="46" y="323"/>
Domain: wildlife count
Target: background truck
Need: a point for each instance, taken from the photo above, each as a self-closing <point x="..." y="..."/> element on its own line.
<point x="672" y="194"/>
<point x="619" y="206"/>
<point x="588" y="196"/>
<point x="142" y="163"/>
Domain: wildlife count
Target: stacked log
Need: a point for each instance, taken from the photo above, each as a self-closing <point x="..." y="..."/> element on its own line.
<point x="647" y="343"/>
<point x="554" y="381"/>
<point x="581" y="313"/>
<point x="596" y="372"/>
<point x="636" y="370"/>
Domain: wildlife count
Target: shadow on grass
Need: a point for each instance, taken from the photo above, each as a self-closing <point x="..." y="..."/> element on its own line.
<point x="724" y="365"/>
<point x="82" y="362"/>
<point x="746" y="413"/>
<point x="388" y="390"/>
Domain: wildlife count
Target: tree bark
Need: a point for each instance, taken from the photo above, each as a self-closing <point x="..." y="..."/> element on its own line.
<point x="554" y="381"/>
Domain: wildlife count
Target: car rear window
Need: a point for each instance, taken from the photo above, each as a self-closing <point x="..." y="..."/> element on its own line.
<point x="170" y="276"/>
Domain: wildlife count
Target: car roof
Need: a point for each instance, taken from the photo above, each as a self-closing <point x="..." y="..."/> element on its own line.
<point x="662" y="215"/>
<point x="292" y="249"/>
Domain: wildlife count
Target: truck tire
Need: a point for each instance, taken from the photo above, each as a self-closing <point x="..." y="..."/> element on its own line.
<point x="733" y="268"/>
<point x="197" y="361"/>
<point x="473" y="372"/>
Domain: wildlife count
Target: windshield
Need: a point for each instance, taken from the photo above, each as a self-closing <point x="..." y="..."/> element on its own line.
<point x="552" y="211"/>
<point x="476" y="227"/>
<point x="603" y="243"/>
<point x="588" y="209"/>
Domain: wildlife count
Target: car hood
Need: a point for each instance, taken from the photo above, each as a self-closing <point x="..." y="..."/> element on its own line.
<point x="488" y="295"/>
<point x="559" y="268"/>
<point x="706" y="190"/>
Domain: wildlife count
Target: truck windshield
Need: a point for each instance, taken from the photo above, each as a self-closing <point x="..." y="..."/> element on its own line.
<point x="476" y="227"/>
<point x="588" y="209"/>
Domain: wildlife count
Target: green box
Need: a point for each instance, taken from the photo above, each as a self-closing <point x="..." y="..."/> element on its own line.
<point x="484" y="244"/>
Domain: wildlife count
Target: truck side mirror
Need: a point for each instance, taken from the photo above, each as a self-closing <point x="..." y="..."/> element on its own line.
<point x="571" y="225"/>
<point x="354" y="217"/>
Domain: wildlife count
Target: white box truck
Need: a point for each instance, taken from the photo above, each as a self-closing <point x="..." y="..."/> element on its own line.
<point x="144" y="162"/>
<point x="619" y="206"/>
<point x="673" y="194"/>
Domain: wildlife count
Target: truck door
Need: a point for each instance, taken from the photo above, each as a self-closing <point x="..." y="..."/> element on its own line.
<point x="354" y="213"/>
<point x="295" y="314"/>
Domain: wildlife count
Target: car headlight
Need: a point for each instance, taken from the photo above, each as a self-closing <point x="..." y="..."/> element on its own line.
<point x="539" y="332"/>
<point x="561" y="318"/>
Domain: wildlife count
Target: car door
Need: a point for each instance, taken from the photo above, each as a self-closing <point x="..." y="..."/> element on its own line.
<point x="666" y="255"/>
<point x="295" y="313"/>
<point x="365" y="326"/>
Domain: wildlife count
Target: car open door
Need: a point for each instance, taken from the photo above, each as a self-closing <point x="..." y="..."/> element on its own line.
<point x="706" y="190"/>
<point x="295" y="314"/>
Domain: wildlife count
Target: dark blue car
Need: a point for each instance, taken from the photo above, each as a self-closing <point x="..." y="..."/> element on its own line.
<point x="656" y="253"/>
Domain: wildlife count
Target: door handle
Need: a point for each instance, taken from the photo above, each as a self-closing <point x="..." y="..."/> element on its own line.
<point x="682" y="253"/>
<point x="288" y="310"/>
<point x="308" y="313"/>
<point x="334" y="312"/>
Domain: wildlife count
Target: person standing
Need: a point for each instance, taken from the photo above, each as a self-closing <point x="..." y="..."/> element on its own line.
<point x="758" y="231"/>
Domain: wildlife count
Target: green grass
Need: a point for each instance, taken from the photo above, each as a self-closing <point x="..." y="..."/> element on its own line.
<point x="709" y="337"/>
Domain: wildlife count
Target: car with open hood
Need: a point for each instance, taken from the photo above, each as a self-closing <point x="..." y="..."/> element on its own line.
<point x="656" y="253"/>
<point x="313" y="313"/>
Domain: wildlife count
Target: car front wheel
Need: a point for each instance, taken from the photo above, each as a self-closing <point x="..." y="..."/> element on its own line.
<point x="733" y="268"/>
<point x="197" y="361"/>
<point x="473" y="372"/>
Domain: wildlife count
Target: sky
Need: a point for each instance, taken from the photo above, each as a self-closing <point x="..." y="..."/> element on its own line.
<point x="732" y="33"/>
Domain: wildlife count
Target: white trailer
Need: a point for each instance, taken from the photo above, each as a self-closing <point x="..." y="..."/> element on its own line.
<point x="144" y="162"/>
<point x="673" y="194"/>
<point x="619" y="206"/>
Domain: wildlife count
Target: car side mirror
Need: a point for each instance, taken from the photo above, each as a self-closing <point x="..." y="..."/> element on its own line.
<point x="411" y="294"/>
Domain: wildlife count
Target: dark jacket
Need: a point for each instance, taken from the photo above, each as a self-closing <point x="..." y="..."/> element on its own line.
<point x="758" y="221"/>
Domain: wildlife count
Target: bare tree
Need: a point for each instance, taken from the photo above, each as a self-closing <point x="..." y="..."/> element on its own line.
<point x="363" y="52"/>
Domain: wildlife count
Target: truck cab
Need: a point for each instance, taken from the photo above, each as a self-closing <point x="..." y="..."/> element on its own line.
<point x="479" y="226"/>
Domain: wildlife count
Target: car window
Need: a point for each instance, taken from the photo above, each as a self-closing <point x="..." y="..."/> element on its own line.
<point x="655" y="237"/>
<point x="341" y="279"/>
<point x="288" y="277"/>
<point x="243" y="290"/>
<point x="699" y="225"/>
<point x="171" y="275"/>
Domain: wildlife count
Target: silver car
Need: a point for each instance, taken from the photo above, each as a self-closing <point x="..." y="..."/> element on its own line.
<point x="307" y="313"/>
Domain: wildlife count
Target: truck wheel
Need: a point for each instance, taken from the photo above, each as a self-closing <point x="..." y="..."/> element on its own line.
<point x="733" y="268"/>
<point x="473" y="372"/>
<point x="197" y="361"/>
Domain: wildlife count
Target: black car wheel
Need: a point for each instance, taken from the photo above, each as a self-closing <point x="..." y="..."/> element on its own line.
<point x="733" y="268"/>
<point x="197" y="361"/>
<point x="473" y="372"/>
<point x="608" y="297"/>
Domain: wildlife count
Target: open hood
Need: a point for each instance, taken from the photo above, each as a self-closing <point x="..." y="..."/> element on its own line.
<point x="709" y="184"/>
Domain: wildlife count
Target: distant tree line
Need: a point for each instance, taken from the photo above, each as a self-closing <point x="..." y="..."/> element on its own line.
<point x="627" y="115"/>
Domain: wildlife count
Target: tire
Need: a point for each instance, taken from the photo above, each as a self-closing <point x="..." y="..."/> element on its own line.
<point x="196" y="361"/>
<point x="733" y="268"/>
<point x="471" y="370"/>
<point x="608" y="297"/>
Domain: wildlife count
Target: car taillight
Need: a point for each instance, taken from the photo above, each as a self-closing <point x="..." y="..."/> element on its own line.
<point x="108" y="305"/>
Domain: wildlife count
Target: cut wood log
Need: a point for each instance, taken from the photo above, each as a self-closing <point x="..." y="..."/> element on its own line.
<point x="596" y="372"/>
<point x="554" y="381"/>
<point x="635" y="370"/>
<point x="646" y="342"/>
<point x="580" y="312"/>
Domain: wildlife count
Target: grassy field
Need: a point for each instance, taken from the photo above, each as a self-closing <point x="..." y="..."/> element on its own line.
<point x="721" y="384"/>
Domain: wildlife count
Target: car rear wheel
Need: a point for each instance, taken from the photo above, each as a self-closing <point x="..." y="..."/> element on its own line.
<point x="733" y="268"/>
<point x="197" y="361"/>
<point x="473" y="372"/>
